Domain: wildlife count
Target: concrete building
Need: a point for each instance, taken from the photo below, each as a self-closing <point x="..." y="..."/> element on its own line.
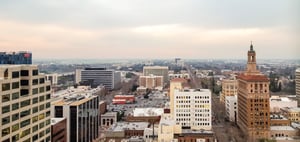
<point x="297" y="74"/>
<point x="231" y="108"/>
<point x="151" y="82"/>
<point x="58" y="129"/>
<point x="253" y="101"/>
<point x="82" y="112"/>
<point x="192" y="108"/>
<point x="53" y="78"/>
<point x="292" y="114"/>
<point x="108" y="119"/>
<point x="25" y="104"/>
<point x="98" y="76"/>
<point x="177" y="83"/>
<point x="229" y="88"/>
<point x="167" y="128"/>
<point x="22" y="57"/>
<point x="277" y="102"/>
<point x="284" y="133"/>
<point x="158" y="71"/>
<point x="179" y="75"/>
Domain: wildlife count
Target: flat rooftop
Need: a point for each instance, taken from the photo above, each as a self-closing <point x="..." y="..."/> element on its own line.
<point x="148" y="111"/>
<point x="56" y="120"/>
<point x="282" y="128"/>
<point x="121" y="126"/>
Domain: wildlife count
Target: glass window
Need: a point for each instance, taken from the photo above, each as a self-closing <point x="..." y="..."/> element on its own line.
<point x="15" y="117"/>
<point x="5" y="120"/>
<point x="15" y="106"/>
<point x="5" y="109"/>
<point x="42" y="80"/>
<point x="42" y="134"/>
<point x="15" y="74"/>
<point x="15" y="127"/>
<point x="5" y="86"/>
<point x="6" y="131"/>
<point x="25" y="123"/>
<point x="24" y="92"/>
<point x="35" y="72"/>
<point x="35" y="91"/>
<point x="24" y="82"/>
<point x="48" y="96"/>
<point x="5" y="98"/>
<point x="15" y="138"/>
<point x="42" y="107"/>
<point x="24" y="73"/>
<point x="35" y="119"/>
<point x="48" y="105"/>
<point x="35" y="137"/>
<point x="48" y="88"/>
<point x="35" y="81"/>
<point x="25" y="113"/>
<point x="35" y="100"/>
<point x="35" y="109"/>
<point x="15" y="95"/>
<point x="42" y="89"/>
<point x="47" y="113"/>
<point x="41" y="116"/>
<point x="48" y="122"/>
<point x="15" y="85"/>
<point x="35" y="128"/>
<point x="42" y="98"/>
<point x="25" y="103"/>
<point x="42" y="125"/>
<point x="25" y="133"/>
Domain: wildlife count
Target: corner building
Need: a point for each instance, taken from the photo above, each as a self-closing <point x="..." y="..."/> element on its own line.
<point x="253" y="101"/>
<point x="24" y="104"/>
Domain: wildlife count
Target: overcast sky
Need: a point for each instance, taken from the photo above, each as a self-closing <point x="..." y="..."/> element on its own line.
<point x="98" y="29"/>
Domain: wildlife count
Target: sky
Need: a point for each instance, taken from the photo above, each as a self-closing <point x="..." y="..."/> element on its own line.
<point x="154" y="29"/>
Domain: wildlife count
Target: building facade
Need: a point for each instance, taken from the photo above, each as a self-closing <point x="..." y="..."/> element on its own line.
<point x="99" y="76"/>
<point x="59" y="129"/>
<point x="292" y="114"/>
<point x="192" y="108"/>
<point x="151" y="81"/>
<point x="229" y="88"/>
<point x="253" y="100"/>
<point x="158" y="71"/>
<point x="277" y="103"/>
<point x="231" y="108"/>
<point x="297" y="74"/>
<point x="25" y="104"/>
<point x="82" y="114"/>
<point x="22" y="57"/>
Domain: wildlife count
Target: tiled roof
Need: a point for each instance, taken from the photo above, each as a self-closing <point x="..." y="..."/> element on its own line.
<point x="253" y="78"/>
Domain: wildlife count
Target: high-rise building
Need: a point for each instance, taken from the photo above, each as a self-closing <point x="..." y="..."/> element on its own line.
<point x="177" y="83"/>
<point x="253" y="100"/>
<point x="81" y="110"/>
<point x="231" y="108"/>
<point x="22" y="57"/>
<point x="99" y="76"/>
<point x="229" y="88"/>
<point x="192" y="108"/>
<point x="297" y="74"/>
<point x="151" y="81"/>
<point x="24" y="104"/>
<point x="157" y="70"/>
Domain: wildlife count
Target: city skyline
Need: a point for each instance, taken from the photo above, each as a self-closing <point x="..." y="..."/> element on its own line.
<point x="150" y="29"/>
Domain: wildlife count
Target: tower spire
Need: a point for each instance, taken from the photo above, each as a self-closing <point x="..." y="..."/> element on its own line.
<point x="251" y="46"/>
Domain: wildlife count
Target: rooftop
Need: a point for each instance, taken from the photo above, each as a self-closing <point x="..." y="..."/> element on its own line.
<point x="283" y="99"/>
<point x="282" y="128"/>
<point x="253" y="78"/>
<point x="148" y="111"/>
<point x="121" y="126"/>
<point x="56" y="120"/>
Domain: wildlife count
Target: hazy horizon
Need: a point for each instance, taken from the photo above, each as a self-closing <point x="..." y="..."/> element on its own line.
<point x="139" y="29"/>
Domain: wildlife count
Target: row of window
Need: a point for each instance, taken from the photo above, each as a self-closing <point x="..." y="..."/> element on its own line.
<point x="9" y="86"/>
<point x="26" y="132"/>
<point x="15" y="106"/>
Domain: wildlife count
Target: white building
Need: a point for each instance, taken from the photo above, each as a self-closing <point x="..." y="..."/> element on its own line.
<point x="25" y="104"/>
<point x="99" y="76"/>
<point x="277" y="102"/>
<point x="231" y="108"/>
<point x="192" y="108"/>
<point x="53" y="78"/>
<point x="179" y="75"/>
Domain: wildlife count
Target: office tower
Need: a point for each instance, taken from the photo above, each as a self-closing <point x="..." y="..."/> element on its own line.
<point x="99" y="76"/>
<point x="229" y="88"/>
<point x="192" y="108"/>
<point x="81" y="110"/>
<point x="151" y="81"/>
<point x="25" y="104"/>
<point x="21" y="57"/>
<point x="253" y="100"/>
<point x="297" y="74"/>
<point x="158" y="71"/>
<point x="177" y="83"/>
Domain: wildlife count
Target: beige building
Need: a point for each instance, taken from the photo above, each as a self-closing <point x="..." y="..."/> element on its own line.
<point x="229" y="88"/>
<point x="25" y="104"/>
<point x="176" y="83"/>
<point x="167" y="128"/>
<point x="151" y="82"/>
<point x="292" y="114"/>
<point x="253" y="101"/>
<point x="158" y="71"/>
<point x="298" y="81"/>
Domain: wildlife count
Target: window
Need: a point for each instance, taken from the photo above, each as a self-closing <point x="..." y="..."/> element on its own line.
<point x="35" y="91"/>
<point x="15" y="85"/>
<point x="15" y="127"/>
<point x="5" y="109"/>
<point x="24" y="73"/>
<point x="25" y="133"/>
<point x="47" y="130"/>
<point x="15" y="106"/>
<point x="5" y="98"/>
<point x="48" y="96"/>
<point x="25" y="123"/>
<point x="35" y="119"/>
<point x="42" y="89"/>
<point x="35" y="72"/>
<point x="42" y="80"/>
<point x="35" y="137"/>
<point x="15" y="117"/>
<point x="42" y="107"/>
<point x="5" y="131"/>
<point x="42" y="125"/>
<point x="5" y="86"/>
<point x="48" y="122"/>
<point x="15" y="95"/>
<point x="35" y="109"/>
<point x="41" y="116"/>
<point x="25" y="103"/>
<point x="35" y="128"/>
<point x="42" y="134"/>
<point x="48" y="105"/>
<point x="42" y="98"/>
<point x="47" y="113"/>
<point x="35" y="81"/>
<point x="48" y="88"/>
<point x="15" y="74"/>
<point x="35" y="100"/>
<point x="25" y="113"/>
<point x="15" y="138"/>
<point x="24" y="82"/>
<point x="24" y="92"/>
<point x="5" y="120"/>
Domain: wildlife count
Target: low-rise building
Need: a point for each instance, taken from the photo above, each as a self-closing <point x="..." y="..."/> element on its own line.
<point x="292" y="114"/>
<point x="108" y="119"/>
<point x="277" y="102"/>
<point x="59" y="129"/>
<point x="284" y="133"/>
<point x="151" y="82"/>
<point x="279" y="120"/>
